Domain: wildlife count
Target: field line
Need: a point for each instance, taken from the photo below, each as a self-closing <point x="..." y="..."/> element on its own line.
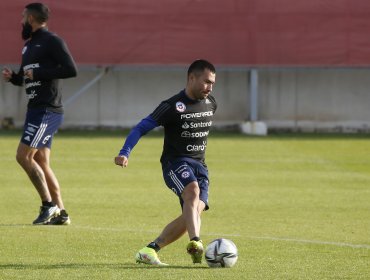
<point x="318" y="242"/>
<point x="340" y="244"/>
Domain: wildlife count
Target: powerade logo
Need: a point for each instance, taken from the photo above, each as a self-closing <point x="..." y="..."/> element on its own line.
<point x="197" y="115"/>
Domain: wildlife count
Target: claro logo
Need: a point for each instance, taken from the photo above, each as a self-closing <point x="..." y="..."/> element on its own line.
<point x="196" y="148"/>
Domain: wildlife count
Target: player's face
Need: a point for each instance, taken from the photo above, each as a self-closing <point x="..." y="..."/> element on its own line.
<point x="201" y="84"/>
<point x="26" y="26"/>
<point x="24" y="17"/>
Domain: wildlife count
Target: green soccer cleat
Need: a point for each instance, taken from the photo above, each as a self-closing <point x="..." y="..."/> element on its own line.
<point x="195" y="249"/>
<point x="148" y="256"/>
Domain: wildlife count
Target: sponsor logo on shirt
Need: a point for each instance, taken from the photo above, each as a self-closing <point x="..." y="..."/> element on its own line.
<point x="31" y="66"/>
<point x="187" y="134"/>
<point x="32" y="95"/>
<point x="197" y="148"/>
<point x="185" y="125"/>
<point x="196" y="125"/>
<point x="197" y="115"/>
<point x="34" y="84"/>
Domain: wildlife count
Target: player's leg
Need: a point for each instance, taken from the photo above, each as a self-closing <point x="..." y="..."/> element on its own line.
<point x="195" y="201"/>
<point x="42" y="157"/>
<point x="190" y="197"/>
<point x="40" y="126"/>
<point x="25" y="157"/>
<point x="192" y="212"/>
<point x="178" y="176"/>
<point x="173" y="231"/>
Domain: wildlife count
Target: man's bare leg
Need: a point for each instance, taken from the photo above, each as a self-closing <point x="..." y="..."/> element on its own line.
<point x="42" y="157"/>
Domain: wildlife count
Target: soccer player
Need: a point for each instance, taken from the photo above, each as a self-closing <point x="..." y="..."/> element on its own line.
<point x="186" y="118"/>
<point x="45" y="59"/>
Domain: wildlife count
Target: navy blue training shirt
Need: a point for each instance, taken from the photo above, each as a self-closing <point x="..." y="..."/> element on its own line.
<point x="186" y="125"/>
<point x="49" y="58"/>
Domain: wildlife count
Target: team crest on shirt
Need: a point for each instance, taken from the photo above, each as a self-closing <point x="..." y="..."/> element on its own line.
<point x="180" y="107"/>
<point x="24" y="49"/>
<point x="185" y="174"/>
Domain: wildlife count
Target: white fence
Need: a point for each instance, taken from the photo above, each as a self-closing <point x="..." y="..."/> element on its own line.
<point x="289" y="99"/>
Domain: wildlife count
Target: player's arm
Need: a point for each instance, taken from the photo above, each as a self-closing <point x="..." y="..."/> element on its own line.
<point x="10" y="76"/>
<point x="66" y="66"/>
<point x="142" y="128"/>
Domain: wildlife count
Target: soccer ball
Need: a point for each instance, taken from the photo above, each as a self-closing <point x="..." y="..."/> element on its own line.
<point x="221" y="253"/>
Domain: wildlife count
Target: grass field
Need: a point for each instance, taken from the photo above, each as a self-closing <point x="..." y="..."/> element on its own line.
<point x="297" y="207"/>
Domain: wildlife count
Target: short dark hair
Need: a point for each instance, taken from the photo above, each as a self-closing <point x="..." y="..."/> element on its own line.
<point x="200" y="65"/>
<point x="39" y="11"/>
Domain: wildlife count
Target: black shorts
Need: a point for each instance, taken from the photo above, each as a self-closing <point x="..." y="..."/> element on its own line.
<point x="182" y="171"/>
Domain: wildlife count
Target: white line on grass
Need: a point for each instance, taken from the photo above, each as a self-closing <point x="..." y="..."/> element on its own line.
<point x="318" y="242"/>
<point x="340" y="244"/>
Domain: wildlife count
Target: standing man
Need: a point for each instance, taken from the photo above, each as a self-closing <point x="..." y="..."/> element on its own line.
<point x="45" y="59"/>
<point x="186" y="118"/>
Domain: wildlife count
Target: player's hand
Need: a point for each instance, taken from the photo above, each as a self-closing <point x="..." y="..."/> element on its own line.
<point x="29" y="74"/>
<point x="7" y="74"/>
<point x="121" y="161"/>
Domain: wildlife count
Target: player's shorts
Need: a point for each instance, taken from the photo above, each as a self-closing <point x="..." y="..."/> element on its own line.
<point x="39" y="127"/>
<point x="179" y="173"/>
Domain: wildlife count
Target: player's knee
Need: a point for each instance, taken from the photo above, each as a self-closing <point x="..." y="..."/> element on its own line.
<point x="21" y="159"/>
<point x="24" y="159"/>
<point x="191" y="192"/>
<point x="40" y="160"/>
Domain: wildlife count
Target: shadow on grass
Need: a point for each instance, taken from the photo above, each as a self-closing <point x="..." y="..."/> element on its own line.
<point x="18" y="266"/>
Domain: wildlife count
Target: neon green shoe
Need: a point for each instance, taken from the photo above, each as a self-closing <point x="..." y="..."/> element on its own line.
<point x="148" y="256"/>
<point x="195" y="249"/>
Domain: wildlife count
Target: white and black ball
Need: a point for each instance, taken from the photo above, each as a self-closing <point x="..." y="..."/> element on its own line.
<point x="221" y="252"/>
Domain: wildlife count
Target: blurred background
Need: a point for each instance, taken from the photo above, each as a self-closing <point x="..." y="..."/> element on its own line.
<point x="289" y="65"/>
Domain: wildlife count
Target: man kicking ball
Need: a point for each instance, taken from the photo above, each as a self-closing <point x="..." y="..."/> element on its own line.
<point x="186" y="118"/>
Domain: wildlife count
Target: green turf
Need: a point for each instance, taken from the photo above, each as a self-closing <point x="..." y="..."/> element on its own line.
<point x="297" y="207"/>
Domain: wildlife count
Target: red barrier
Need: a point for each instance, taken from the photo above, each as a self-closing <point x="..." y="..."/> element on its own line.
<point x="175" y="32"/>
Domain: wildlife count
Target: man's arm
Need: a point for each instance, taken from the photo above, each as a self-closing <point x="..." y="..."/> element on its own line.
<point x="10" y="76"/>
<point x="142" y="128"/>
<point x="66" y="66"/>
